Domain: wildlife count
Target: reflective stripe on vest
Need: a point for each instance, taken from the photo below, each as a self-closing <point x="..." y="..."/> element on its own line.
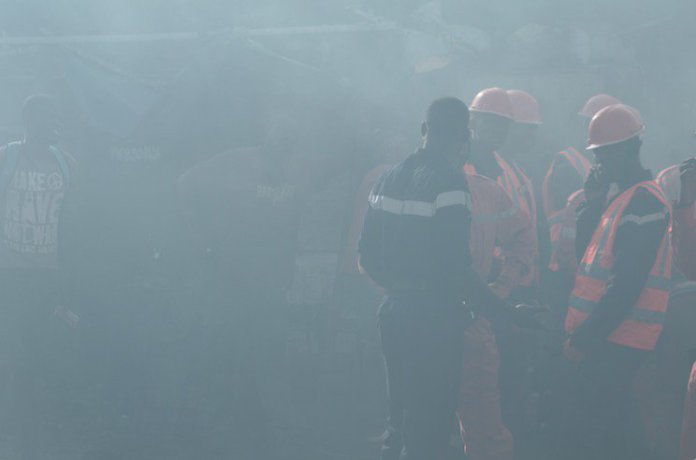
<point x="636" y="314"/>
<point x="508" y="180"/>
<point x="562" y="232"/>
<point x="520" y="190"/>
<point x="562" y="221"/>
<point x="580" y="164"/>
<point x="642" y="326"/>
<point x="578" y="161"/>
<point x="512" y="185"/>
<point x="527" y="192"/>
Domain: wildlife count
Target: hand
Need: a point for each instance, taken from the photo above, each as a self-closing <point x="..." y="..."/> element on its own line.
<point x="526" y="316"/>
<point x="573" y="355"/>
<point x="687" y="172"/>
<point x="596" y="186"/>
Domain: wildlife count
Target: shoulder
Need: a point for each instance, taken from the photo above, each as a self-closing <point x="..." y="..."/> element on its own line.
<point x="479" y="180"/>
<point x="483" y="185"/>
<point x="69" y="159"/>
<point x="645" y="208"/>
<point x="670" y="181"/>
<point x="397" y="177"/>
<point x="667" y="173"/>
<point x="6" y="149"/>
<point x="646" y="199"/>
<point x="560" y="160"/>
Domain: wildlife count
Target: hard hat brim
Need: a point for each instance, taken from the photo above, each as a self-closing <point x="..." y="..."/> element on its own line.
<point x="492" y="112"/>
<point x="605" y="144"/>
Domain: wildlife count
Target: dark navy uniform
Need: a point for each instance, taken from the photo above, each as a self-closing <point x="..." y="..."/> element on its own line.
<point x="415" y="244"/>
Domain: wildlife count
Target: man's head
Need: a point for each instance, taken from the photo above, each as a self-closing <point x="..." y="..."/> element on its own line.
<point x="527" y="118"/>
<point x="446" y="127"/>
<point x="614" y="159"/>
<point x="490" y="131"/>
<point x="614" y="138"/>
<point x="491" y="118"/>
<point x="41" y="121"/>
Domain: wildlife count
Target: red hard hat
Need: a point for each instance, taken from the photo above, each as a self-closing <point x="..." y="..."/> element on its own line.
<point x="525" y="109"/>
<point x="614" y="124"/>
<point x="493" y="100"/>
<point x="597" y="103"/>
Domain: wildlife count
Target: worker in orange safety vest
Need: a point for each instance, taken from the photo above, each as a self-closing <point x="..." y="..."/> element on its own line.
<point x="521" y="141"/>
<point x="494" y="221"/>
<point x="492" y="116"/>
<point x="618" y="305"/>
<point x="561" y="194"/>
<point x="491" y="119"/>
<point x="566" y="174"/>
<point x="523" y="133"/>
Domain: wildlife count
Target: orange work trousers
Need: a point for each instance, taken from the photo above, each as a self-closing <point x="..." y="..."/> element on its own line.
<point x="483" y="432"/>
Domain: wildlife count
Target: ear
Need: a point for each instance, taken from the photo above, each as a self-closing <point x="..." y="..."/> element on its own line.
<point x="424" y="129"/>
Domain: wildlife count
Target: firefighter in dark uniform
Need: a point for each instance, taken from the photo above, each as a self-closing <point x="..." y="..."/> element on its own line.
<point x="415" y="244"/>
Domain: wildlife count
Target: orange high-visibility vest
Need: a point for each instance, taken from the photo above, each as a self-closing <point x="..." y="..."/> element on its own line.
<point x="563" y="230"/>
<point x="580" y="164"/>
<point x="643" y="324"/>
<point x="510" y="182"/>
<point x="527" y="191"/>
<point x="562" y="221"/>
<point x="519" y="188"/>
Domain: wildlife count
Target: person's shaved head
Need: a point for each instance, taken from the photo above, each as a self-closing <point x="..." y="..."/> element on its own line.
<point x="446" y="129"/>
<point x="40" y="116"/>
<point x="448" y="117"/>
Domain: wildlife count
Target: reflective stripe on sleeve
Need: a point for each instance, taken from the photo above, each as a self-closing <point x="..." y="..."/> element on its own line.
<point x="661" y="283"/>
<point x="647" y="316"/>
<point x="637" y="314"/>
<point x="642" y="220"/>
<point x="420" y="208"/>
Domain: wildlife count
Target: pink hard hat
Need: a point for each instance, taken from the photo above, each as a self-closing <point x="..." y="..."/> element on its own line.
<point x="525" y="108"/>
<point x="597" y="103"/>
<point x="614" y="124"/>
<point x="494" y="101"/>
